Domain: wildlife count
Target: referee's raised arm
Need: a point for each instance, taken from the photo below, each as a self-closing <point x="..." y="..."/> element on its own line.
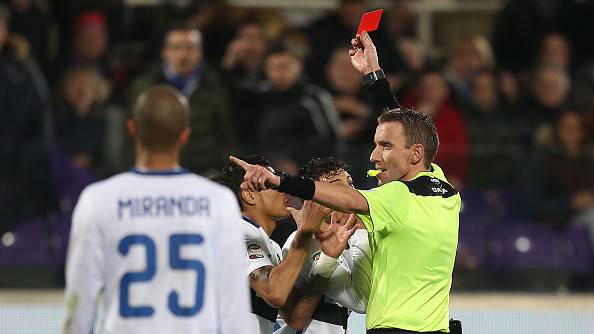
<point x="365" y="61"/>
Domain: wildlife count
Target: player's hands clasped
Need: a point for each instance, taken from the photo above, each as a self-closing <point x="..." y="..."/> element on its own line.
<point x="363" y="54"/>
<point x="257" y="178"/>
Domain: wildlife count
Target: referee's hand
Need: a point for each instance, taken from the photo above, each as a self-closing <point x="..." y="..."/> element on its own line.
<point x="363" y="54"/>
<point x="257" y="178"/>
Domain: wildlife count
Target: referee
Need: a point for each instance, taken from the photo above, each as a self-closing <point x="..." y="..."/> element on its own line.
<point x="412" y="216"/>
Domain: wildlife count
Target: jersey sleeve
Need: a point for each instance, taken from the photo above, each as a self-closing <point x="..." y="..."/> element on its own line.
<point x="255" y="250"/>
<point x="388" y="206"/>
<point x="84" y="266"/>
<point x="232" y="285"/>
<point x="350" y="287"/>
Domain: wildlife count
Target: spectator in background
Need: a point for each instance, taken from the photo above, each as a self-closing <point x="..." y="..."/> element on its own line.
<point x="183" y="67"/>
<point x="471" y="55"/>
<point x="559" y="183"/>
<point x="517" y="31"/>
<point x="212" y="19"/>
<point x="555" y="50"/>
<point x="244" y="75"/>
<point x="298" y="120"/>
<point x="25" y="188"/>
<point x="30" y="18"/>
<point x="550" y="94"/>
<point x="79" y="119"/>
<point x="432" y="97"/>
<point x="344" y="83"/>
<point x="358" y="121"/>
<point x="494" y="136"/>
<point x="90" y="39"/>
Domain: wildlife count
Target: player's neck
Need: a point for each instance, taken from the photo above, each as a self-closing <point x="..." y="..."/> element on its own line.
<point x="156" y="160"/>
<point x="267" y="223"/>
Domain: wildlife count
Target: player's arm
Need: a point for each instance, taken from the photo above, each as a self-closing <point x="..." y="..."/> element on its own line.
<point x="275" y="284"/>
<point x="351" y="287"/>
<point x="232" y="287"/>
<point x="84" y="267"/>
<point x="298" y="310"/>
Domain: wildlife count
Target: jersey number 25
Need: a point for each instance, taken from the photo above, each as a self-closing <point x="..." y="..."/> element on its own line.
<point x="175" y="262"/>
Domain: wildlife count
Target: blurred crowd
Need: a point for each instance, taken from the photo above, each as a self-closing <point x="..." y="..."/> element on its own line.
<point x="514" y="111"/>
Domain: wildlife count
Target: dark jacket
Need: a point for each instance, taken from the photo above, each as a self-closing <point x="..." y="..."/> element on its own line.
<point x="299" y="123"/>
<point x="212" y="136"/>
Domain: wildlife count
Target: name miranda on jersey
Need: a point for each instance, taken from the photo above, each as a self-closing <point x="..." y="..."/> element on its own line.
<point x="162" y="206"/>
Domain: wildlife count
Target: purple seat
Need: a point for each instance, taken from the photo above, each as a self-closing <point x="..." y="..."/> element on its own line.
<point x="472" y="246"/>
<point x="576" y="249"/>
<point x="27" y="244"/>
<point x="69" y="179"/>
<point x="524" y="247"/>
<point x="476" y="209"/>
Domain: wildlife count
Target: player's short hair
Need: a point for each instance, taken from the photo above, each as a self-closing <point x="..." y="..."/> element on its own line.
<point x="232" y="175"/>
<point x="161" y="114"/>
<point x="322" y="167"/>
<point x="418" y="128"/>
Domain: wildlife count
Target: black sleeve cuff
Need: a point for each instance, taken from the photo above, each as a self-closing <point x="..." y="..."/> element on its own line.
<point x="380" y="96"/>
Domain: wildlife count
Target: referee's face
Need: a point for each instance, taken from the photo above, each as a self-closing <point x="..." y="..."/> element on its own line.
<point x="390" y="154"/>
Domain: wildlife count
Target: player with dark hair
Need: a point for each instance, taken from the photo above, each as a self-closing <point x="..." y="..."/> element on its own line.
<point x="328" y="298"/>
<point x="271" y="280"/>
<point x="152" y="239"/>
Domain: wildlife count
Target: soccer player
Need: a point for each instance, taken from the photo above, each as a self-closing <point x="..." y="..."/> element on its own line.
<point x="271" y="280"/>
<point x="347" y="287"/>
<point x="162" y="245"/>
<point x="413" y="215"/>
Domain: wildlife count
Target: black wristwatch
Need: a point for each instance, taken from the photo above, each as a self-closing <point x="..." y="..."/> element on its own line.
<point x="373" y="76"/>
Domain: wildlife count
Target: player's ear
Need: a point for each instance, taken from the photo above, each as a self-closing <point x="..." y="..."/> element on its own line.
<point x="132" y="129"/>
<point x="184" y="136"/>
<point x="248" y="197"/>
<point x="418" y="153"/>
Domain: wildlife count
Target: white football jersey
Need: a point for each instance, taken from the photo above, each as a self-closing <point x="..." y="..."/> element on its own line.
<point x="166" y="250"/>
<point x="261" y="252"/>
<point x="342" y="296"/>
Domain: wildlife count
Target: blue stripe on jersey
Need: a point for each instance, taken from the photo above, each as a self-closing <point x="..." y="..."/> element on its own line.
<point x="161" y="172"/>
<point x="251" y="221"/>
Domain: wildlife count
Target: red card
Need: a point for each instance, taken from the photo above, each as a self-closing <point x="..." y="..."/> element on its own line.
<point x="370" y="21"/>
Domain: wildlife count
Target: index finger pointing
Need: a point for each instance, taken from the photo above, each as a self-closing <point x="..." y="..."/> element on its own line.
<point x="239" y="162"/>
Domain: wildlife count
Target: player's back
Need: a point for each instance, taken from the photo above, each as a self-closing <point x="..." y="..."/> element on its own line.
<point x="164" y="245"/>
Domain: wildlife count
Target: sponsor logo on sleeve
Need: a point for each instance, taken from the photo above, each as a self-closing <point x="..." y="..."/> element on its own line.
<point x="316" y="256"/>
<point x="254" y="251"/>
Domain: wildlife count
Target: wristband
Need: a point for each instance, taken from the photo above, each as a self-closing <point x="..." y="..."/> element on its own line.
<point x="373" y="76"/>
<point x="299" y="186"/>
<point x="325" y="265"/>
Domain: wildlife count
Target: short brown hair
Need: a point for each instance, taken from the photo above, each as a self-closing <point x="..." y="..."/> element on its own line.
<point x="418" y="129"/>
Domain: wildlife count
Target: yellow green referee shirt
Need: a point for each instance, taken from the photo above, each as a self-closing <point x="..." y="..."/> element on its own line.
<point x="413" y="233"/>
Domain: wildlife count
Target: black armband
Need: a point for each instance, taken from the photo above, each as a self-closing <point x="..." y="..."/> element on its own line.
<point x="298" y="186"/>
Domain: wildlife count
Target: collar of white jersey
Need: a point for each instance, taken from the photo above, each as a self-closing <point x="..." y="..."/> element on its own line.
<point x="251" y="221"/>
<point x="159" y="172"/>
